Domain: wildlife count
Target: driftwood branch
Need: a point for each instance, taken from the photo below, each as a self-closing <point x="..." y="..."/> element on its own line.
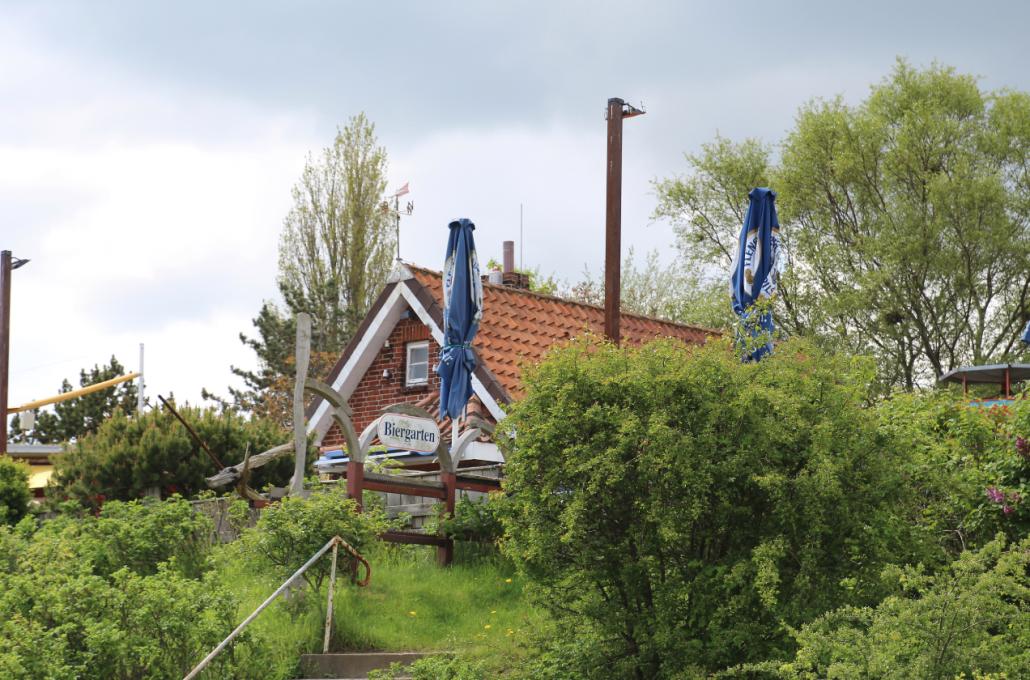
<point x="232" y="474"/>
<point x="243" y="485"/>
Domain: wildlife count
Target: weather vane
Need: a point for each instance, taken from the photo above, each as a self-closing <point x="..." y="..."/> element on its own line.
<point x="396" y="211"/>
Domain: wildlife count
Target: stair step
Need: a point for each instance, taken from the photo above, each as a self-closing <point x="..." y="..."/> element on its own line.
<point x="355" y="665"/>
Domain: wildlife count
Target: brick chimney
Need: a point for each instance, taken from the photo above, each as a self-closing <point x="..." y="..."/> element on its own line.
<point x="509" y="276"/>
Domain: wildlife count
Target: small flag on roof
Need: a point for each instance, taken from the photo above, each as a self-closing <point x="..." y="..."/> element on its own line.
<point x="403" y="190"/>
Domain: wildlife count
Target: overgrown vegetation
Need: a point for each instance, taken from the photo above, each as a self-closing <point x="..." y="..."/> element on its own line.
<point x="680" y="512"/>
<point x="972" y="618"/>
<point x="129" y="457"/>
<point x="141" y="590"/>
<point x="14" y="491"/>
<point x="670" y="512"/>
<point x="120" y="595"/>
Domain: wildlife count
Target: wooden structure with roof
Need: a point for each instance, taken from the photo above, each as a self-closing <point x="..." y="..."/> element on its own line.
<point x="1003" y="375"/>
<point x="390" y="358"/>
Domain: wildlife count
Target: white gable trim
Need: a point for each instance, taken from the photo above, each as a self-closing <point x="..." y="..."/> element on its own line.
<point x="361" y="358"/>
<point x="368" y="348"/>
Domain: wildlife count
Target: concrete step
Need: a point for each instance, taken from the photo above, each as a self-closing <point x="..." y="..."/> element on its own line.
<point x="352" y="665"/>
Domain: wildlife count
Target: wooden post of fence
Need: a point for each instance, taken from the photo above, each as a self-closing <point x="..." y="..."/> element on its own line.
<point x="329" y="604"/>
<point x="355" y="480"/>
<point x="445" y="552"/>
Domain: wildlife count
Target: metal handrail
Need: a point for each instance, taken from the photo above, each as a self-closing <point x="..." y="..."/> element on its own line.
<point x="333" y="543"/>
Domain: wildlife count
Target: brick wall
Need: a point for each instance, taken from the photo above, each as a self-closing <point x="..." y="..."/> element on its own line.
<point x="374" y="391"/>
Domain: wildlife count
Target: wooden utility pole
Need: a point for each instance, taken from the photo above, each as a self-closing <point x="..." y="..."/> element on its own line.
<point x="5" y="342"/>
<point x="617" y="110"/>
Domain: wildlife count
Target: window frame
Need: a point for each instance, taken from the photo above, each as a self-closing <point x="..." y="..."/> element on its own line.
<point x="408" y="347"/>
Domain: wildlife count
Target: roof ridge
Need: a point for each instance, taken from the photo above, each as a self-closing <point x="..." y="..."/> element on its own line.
<point x="555" y="298"/>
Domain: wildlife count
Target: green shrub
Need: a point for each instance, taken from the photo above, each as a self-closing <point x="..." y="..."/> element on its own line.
<point x="678" y="508"/>
<point x="972" y="618"/>
<point x="967" y="468"/>
<point x="129" y="456"/>
<point x="290" y="531"/>
<point x="14" y="491"/>
<point x="115" y="596"/>
<point x="476" y="520"/>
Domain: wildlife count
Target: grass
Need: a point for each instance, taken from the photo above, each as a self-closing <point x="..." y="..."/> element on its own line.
<point x="476" y="607"/>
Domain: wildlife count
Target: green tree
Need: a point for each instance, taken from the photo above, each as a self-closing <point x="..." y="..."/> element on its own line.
<point x="678" y="292"/>
<point x="679" y="508"/>
<point x="905" y="218"/>
<point x="14" y="491"/>
<point x="971" y="619"/>
<point x="335" y="254"/>
<point x="74" y="418"/>
<point x="128" y="457"/>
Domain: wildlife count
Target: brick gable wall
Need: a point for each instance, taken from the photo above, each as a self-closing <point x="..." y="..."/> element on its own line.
<point x="375" y="392"/>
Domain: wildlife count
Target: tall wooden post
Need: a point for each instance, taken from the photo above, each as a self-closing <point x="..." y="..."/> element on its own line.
<point x="355" y="479"/>
<point x="617" y="110"/>
<point x="445" y="552"/>
<point x="5" y="342"/>
<point x="613" y="223"/>
<point x="300" y="433"/>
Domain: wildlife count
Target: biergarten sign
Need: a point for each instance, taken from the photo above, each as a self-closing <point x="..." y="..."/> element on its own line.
<point x="408" y="432"/>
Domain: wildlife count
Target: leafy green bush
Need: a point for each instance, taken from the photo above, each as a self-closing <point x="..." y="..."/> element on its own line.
<point x="115" y="596"/>
<point x="14" y="491"/>
<point x="968" y="468"/>
<point x="679" y="508"/>
<point x="290" y="531"/>
<point x="476" y="520"/>
<point x="128" y="456"/>
<point x="972" y="618"/>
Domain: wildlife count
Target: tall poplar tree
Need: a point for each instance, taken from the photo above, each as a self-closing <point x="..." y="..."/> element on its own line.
<point x="335" y="254"/>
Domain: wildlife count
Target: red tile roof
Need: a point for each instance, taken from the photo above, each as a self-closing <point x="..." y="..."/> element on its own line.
<point x="519" y="326"/>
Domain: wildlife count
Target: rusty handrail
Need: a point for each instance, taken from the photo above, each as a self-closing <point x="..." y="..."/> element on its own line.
<point x="333" y="543"/>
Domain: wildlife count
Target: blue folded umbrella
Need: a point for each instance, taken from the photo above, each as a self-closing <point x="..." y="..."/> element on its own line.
<point x="755" y="266"/>
<point x="463" y="309"/>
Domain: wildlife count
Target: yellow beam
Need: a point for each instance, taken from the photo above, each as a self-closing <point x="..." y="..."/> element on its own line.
<point x="95" y="387"/>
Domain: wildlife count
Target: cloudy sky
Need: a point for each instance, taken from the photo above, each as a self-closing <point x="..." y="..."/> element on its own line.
<point x="147" y="150"/>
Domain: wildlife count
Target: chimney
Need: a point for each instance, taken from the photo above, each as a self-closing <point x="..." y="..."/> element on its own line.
<point x="510" y="277"/>
<point x="509" y="257"/>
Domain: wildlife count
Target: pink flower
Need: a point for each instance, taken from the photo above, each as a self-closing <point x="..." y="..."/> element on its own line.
<point x="1007" y="509"/>
<point x="995" y="494"/>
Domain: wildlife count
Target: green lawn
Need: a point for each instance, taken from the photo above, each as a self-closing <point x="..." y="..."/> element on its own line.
<point x="475" y="607"/>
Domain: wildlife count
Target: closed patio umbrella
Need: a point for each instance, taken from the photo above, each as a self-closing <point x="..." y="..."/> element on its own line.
<point x="755" y="270"/>
<point x="463" y="309"/>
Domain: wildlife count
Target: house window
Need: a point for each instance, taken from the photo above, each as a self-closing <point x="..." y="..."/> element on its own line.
<point x="418" y="363"/>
